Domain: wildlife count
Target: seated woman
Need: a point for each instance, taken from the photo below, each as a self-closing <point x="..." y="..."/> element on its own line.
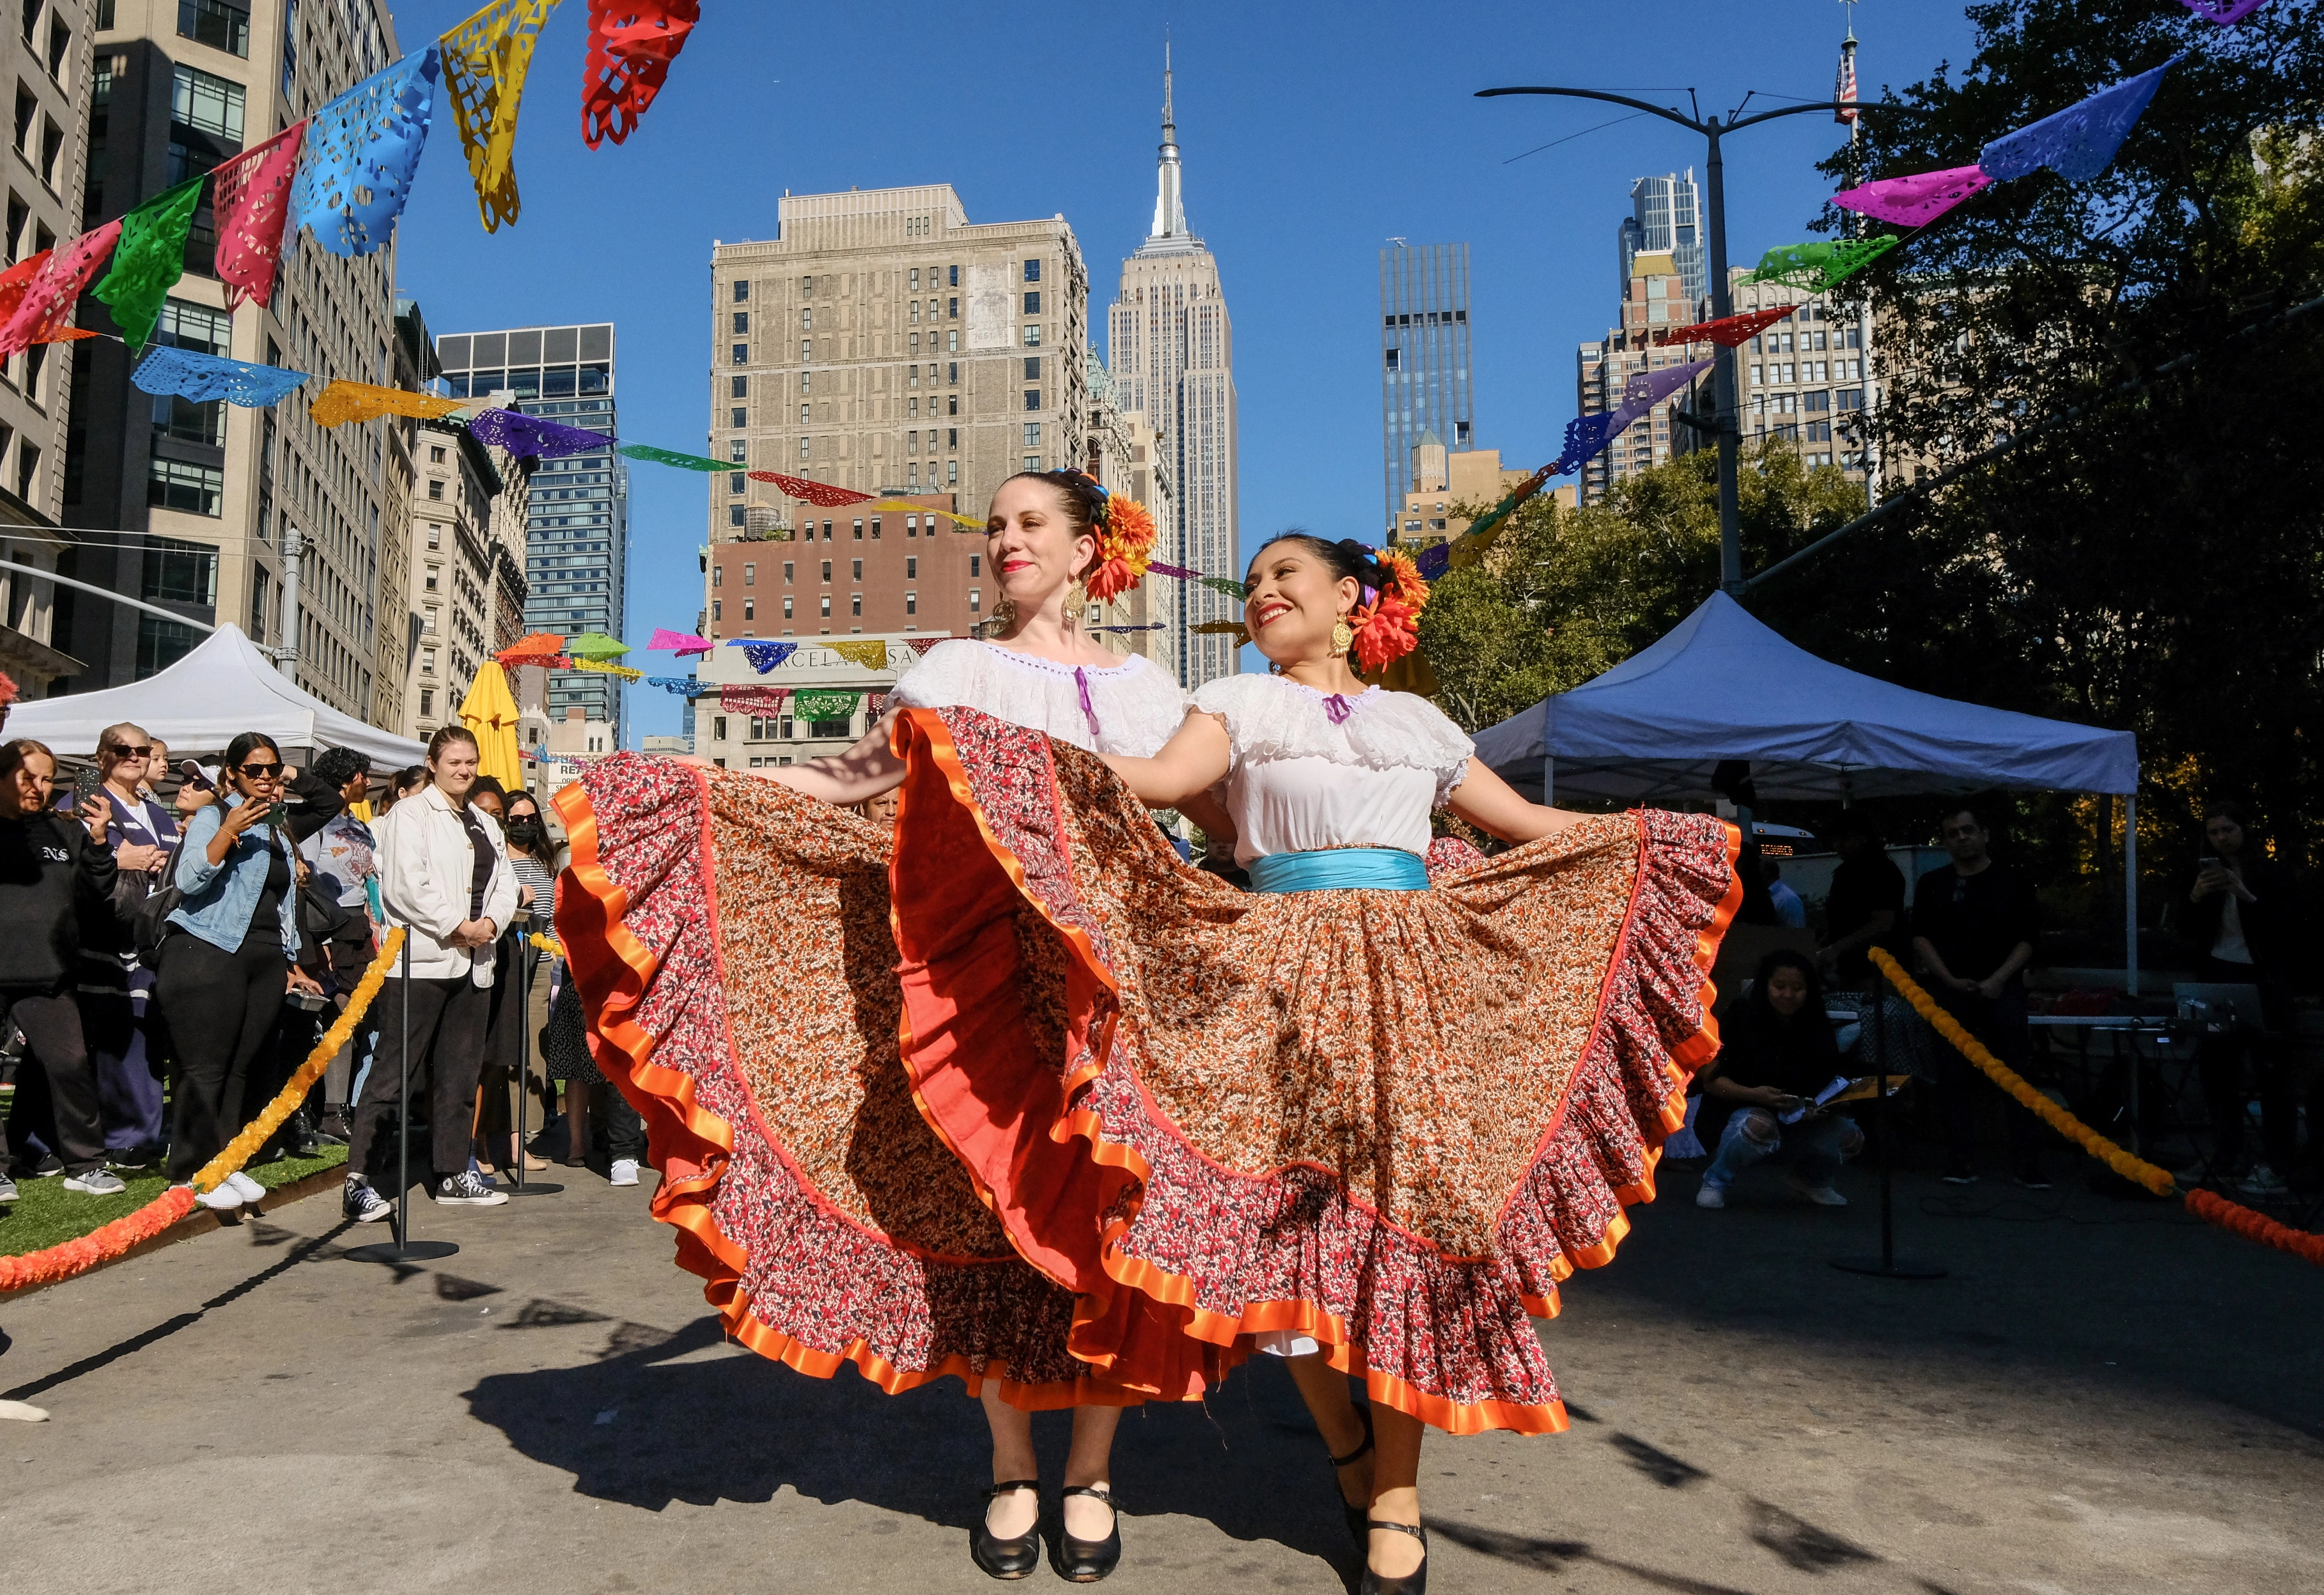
<point x="1777" y="1052"/>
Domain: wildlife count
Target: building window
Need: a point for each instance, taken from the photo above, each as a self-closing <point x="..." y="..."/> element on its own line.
<point x="952" y="347"/>
<point x="742" y="323"/>
<point x="911" y="567"/>
<point x="858" y="570"/>
<point x="1033" y="303"/>
<point x="718" y="728"/>
<point x="787" y="568"/>
<point x="196" y="490"/>
<point x="1032" y="368"/>
<point x="435" y="537"/>
<point x="750" y="573"/>
<point x="1032" y="335"/>
<point x="827" y="570"/>
<point x="803" y="448"/>
<point x="436" y="488"/>
<point x="738" y="388"/>
<point x="718" y="609"/>
<point x="738" y="417"/>
<point x="911" y="604"/>
<point x="738" y="515"/>
<point x="207" y="104"/>
<point x="858" y="605"/>
<point x="427" y="661"/>
<point x="1032" y="270"/>
<point x="858" y="532"/>
<point x="826" y="606"/>
<point x="786" y="606"/>
<point x="1032" y="398"/>
<point x="741" y="290"/>
<point x="1032" y="463"/>
<point x="435" y="455"/>
<point x="742" y="354"/>
<point x="807" y="320"/>
<point x="952" y="473"/>
<point x="976" y="601"/>
<point x="750" y="609"/>
<point x="1032" y="434"/>
<point x="434" y="571"/>
<point x="426" y="702"/>
<point x="975" y="564"/>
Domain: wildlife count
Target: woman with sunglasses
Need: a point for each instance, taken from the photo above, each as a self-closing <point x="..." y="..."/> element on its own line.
<point x="117" y="1012"/>
<point x="230" y="957"/>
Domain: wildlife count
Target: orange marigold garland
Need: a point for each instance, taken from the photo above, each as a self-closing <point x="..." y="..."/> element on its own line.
<point x="102" y="1245"/>
<point x="1387" y="626"/>
<point x="1125" y="547"/>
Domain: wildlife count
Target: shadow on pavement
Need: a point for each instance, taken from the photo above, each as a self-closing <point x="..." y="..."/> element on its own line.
<point x="649" y="1422"/>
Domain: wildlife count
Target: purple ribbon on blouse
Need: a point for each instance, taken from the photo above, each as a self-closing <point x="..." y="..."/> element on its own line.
<point x="1089" y="710"/>
<point x="1336" y="708"/>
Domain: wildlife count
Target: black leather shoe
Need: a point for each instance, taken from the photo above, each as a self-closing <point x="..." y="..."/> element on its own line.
<point x="1007" y="1559"/>
<point x="1415" y="1582"/>
<point x="1085" y="1562"/>
<point x="1356" y="1515"/>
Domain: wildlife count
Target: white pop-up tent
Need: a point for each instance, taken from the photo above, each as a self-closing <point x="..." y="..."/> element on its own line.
<point x="1722" y="686"/>
<point x="222" y="688"/>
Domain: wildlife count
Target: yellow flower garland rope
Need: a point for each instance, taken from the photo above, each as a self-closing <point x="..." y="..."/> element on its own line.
<point x="2136" y="1170"/>
<point x="239" y="1150"/>
<point x="546" y="943"/>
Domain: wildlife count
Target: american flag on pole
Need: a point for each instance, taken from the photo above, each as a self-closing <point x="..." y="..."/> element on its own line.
<point x="1844" y="86"/>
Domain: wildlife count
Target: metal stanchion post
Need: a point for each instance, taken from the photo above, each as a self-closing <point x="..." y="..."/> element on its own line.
<point x="1887" y="1265"/>
<point x="403" y="1248"/>
<point x="524" y="962"/>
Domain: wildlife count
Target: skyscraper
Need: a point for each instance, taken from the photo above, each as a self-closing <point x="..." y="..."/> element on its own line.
<point x="1424" y="358"/>
<point x="1653" y="302"/>
<point x="217" y="506"/>
<point x="1171" y="350"/>
<point x="577" y="521"/>
<point x="1666" y="218"/>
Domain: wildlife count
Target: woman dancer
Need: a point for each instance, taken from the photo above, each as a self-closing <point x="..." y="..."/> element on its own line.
<point x="1346" y="1117"/>
<point x="831" y="1224"/>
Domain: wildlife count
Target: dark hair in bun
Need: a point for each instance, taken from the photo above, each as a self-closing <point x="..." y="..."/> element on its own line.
<point x="1345" y="558"/>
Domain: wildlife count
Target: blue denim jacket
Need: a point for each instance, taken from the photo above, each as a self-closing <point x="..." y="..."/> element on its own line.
<point x="221" y="898"/>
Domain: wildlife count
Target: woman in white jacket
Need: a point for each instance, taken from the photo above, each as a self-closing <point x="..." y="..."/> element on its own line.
<point x="444" y="874"/>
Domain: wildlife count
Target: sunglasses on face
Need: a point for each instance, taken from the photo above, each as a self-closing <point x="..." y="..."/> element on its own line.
<point x="260" y="773"/>
<point x="123" y="752"/>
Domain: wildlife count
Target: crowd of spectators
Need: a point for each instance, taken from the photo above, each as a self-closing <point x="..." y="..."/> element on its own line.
<point x="178" y="950"/>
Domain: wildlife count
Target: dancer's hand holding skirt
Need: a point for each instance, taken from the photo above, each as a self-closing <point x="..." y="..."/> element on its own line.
<point x="1389" y="1120"/>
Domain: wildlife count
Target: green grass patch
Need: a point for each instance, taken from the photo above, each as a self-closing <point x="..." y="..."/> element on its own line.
<point x="46" y="1214"/>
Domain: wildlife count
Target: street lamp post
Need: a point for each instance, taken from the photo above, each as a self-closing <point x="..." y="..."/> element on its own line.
<point x="1723" y="384"/>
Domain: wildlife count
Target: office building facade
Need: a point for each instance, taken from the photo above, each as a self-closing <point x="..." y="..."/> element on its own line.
<point x="884" y="344"/>
<point x="217" y="504"/>
<point x="1666" y="218"/>
<point x="1805" y="381"/>
<point x="576" y="532"/>
<point x="1425" y="383"/>
<point x="1655" y="300"/>
<point x="1170" y="347"/>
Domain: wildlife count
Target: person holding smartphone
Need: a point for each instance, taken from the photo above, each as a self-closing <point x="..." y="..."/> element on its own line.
<point x="117" y="1011"/>
<point x="2241" y="915"/>
<point x="229" y="958"/>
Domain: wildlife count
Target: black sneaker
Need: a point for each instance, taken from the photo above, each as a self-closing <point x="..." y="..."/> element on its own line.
<point x="360" y="1203"/>
<point x="2033" y="1179"/>
<point x="467" y="1189"/>
<point x="1958" y="1176"/>
<point x="47" y="1168"/>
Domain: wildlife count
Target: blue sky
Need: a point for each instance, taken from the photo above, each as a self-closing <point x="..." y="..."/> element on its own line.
<point x="1311" y="134"/>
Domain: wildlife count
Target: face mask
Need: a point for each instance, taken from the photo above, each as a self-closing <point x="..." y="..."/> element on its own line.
<point x="522" y="830"/>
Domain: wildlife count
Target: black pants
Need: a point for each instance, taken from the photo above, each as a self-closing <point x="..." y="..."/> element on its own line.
<point x="221" y="1009"/>
<point x="448" y="1051"/>
<point x="624" y="1132"/>
<point x="1963" y="1086"/>
<point x="61" y="1086"/>
<point x="2233" y="1064"/>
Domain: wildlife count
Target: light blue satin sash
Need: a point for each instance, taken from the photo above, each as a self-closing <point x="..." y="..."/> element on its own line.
<point x="1339" y="869"/>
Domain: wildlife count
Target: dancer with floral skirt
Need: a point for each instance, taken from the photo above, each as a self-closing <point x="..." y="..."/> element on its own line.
<point x="731" y="939"/>
<point x="1347" y="1117"/>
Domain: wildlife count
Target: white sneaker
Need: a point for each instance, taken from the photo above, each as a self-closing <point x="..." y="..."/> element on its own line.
<point x="2263" y="1181"/>
<point x="224" y="1199"/>
<point x="624" y="1172"/>
<point x="1822" y="1195"/>
<point x="1710" y="1195"/>
<point x="249" y="1189"/>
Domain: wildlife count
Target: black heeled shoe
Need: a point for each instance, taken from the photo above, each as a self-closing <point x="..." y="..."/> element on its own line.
<point x="1011" y="1558"/>
<point x="1415" y="1582"/>
<point x="1085" y="1562"/>
<point x="1356" y="1515"/>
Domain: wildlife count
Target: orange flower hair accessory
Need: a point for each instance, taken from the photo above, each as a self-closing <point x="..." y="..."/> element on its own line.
<point x="1125" y="546"/>
<point x="1387" y="622"/>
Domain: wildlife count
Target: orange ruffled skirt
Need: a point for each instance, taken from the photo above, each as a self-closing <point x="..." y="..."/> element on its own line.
<point x="730" y="940"/>
<point x="1391" y="1120"/>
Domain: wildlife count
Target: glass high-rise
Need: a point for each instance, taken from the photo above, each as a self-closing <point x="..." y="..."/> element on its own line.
<point x="578" y="533"/>
<point x="1666" y="218"/>
<point x="1424" y="384"/>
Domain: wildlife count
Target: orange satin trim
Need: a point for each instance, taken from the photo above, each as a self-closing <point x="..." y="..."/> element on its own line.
<point x="614" y="968"/>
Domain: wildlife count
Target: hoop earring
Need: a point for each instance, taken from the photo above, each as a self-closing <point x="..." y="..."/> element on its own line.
<point x="1343" y="635"/>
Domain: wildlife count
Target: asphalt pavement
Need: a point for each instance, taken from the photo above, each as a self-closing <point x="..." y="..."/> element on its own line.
<point x="2098" y="1397"/>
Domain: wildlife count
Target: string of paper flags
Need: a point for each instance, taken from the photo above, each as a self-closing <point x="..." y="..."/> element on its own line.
<point x="2077" y="143"/>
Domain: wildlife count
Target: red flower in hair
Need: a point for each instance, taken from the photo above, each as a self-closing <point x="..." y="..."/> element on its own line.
<point x="8" y="690"/>
<point x="1388" y="628"/>
<point x="1125" y="544"/>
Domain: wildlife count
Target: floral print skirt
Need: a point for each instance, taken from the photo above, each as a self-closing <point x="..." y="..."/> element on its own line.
<point x="1388" y="1122"/>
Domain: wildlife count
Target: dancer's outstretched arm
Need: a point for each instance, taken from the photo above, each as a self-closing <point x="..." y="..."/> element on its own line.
<point x="1487" y="802"/>
<point x="865" y="771"/>
<point x="1189" y="764"/>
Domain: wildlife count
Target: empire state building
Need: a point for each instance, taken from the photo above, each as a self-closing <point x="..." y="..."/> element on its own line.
<point x="1172" y="360"/>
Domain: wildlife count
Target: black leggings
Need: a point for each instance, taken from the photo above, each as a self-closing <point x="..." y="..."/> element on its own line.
<point x="447" y="1037"/>
<point x="56" y="1096"/>
<point x="221" y="1009"/>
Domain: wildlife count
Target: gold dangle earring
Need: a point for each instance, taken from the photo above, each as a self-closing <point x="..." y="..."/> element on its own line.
<point x="1343" y="635"/>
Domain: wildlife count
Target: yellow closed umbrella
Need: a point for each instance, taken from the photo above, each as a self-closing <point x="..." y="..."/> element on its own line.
<point x="490" y="711"/>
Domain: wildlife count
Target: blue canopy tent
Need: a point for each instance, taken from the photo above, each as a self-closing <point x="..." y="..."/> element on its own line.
<point x="1722" y="686"/>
